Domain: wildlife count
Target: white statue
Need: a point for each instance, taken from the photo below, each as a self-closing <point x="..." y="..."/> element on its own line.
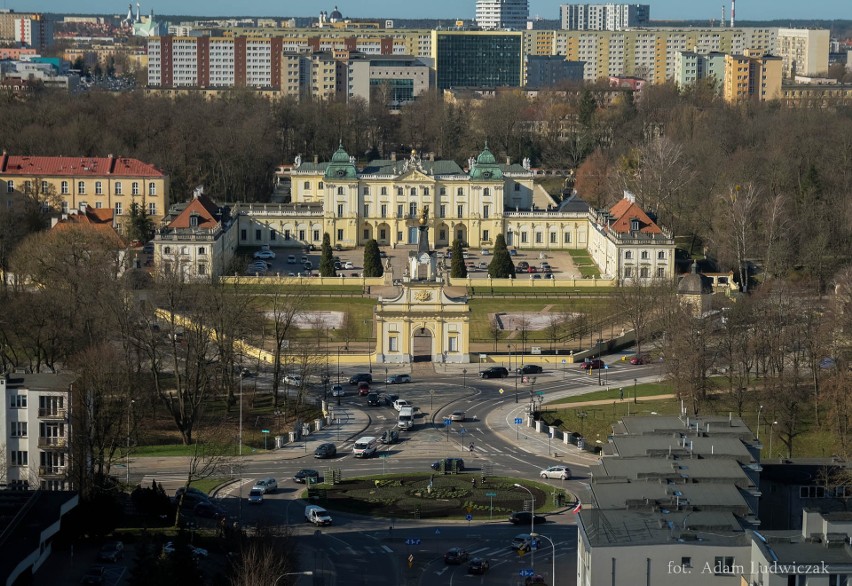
<point x="298" y="161"/>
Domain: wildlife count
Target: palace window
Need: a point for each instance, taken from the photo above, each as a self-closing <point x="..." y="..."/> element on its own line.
<point x="134" y="188"/>
<point x="81" y="187"/>
<point x="118" y="187"/>
<point x="64" y="188"/>
<point x="99" y="188"/>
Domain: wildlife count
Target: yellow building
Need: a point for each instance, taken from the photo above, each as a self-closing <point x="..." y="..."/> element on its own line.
<point x="66" y="183"/>
<point x="751" y="77"/>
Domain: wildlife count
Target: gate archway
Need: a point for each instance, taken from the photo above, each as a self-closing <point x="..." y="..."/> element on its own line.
<point x="422" y="345"/>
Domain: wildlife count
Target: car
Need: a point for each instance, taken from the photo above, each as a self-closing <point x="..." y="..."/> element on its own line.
<point x="338" y="266"/>
<point x="191" y="491"/>
<point x="293" y="379"/>
<point x="523" y="266"/>
<point x="536" y="277"/>
<point x="533" y="580"/>
<point x="363" y="388"/>
<point x="348" y="265"/>
<point x="494" y="372"/>
<point x="337" y="391"/>
<point x="530" y="369"/>
<point x="324" y="451"/>
<point x="308" y="266"/>
<point x="255" y="496"/>
<point x="304" y="260"/>
<point x="524" y="518"/>
<point x="373" y="399"/>
<point x="513" y="252"/>
<point x="483" y="266"/>
<point x="548" y="275"/>
<point x="94" y="575"/>
<point x="592" y="363"/>
<point x="396" y="379"/>
<point x="524" y="542"/>
<point x="360" y="377"/>
<point x="456" y="555"/>
<point x="317" y="515"/>
<point x="640" y="359"/>
<point x="400" y="403"/>
<point x="304" y="474"/>
<point x="387" y="399"/>
<point x="264" y="254"/>
<point x="478" y="566"/>
<point x="196" y="552"/>
<point x="448" y="464"/>
<point x="532" y="270"/>
<point x="382" y="253"/>
<point x="457" y="416"/>
<point x="209" y="510"/>
<point x="291" y="260"/>
<point x="484" y="252"/>
<point x="560" y="472"/>
<point x="267" y="485"/>
<point x="111" y="551"/>
<point x="545" y="266"/>
<point x="390" y="436"/>
<point x="254" y="269"/>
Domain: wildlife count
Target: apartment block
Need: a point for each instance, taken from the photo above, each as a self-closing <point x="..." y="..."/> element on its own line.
<point x="35" y="30"/>
<point x="502" y="14"/>
<point x="397" y="79"/>
<point x="603" y="17"/>
<point x="74" y="182"/>
<point x="803" y="51"/>
<point x="35" y="427"/>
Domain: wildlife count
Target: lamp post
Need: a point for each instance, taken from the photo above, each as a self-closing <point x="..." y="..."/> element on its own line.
<point x="240" y="438"/>
<point x="771" y="433"/>
<point x="386" y="379"/>
<point x="634" y="390"/>
<point x="338" y="373"/>
<point x="758" y="421"/>
<point x="129" y="415"/>
<point x="464" y="378"/>
<point x="305" y="573"/>
<point x="552" y="557"/>
<point x="532" y="523"/>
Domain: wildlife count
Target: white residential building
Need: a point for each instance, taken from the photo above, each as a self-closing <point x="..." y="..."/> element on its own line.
<point x="502" y="14"/>
<point x="803" y="51"/>
<point x="35" y="431"/>
<point x="603" y="17"/>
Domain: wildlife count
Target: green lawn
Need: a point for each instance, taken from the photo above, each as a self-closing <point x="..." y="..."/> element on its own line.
<point x="480" y="310"/>
<point x="451" y="496"/>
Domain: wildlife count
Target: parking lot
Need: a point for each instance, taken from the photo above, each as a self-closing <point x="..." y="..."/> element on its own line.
<point x="291" y="262"/>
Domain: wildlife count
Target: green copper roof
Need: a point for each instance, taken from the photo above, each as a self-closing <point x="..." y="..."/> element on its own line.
<point x="486" y="167"/>
<point x="340" y="167"/>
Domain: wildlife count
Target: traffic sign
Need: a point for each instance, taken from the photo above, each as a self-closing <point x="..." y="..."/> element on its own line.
<point x="518" y="421"/>
<point x="469" y="517"/>
<point x="501" y="391"/>
<point x="437" y="531"/>
<point x="448" y="421"/>
<point x="462" y="431"/>
<point x="411" y="558"/>
<point x="412" y="541"/>
<point x="527" y="572"/>
<point x="264" y="431"/>
<point x="606" y="366"/>
<point x="564" y="361"/>
<point x="540" y="393"/>
<point x="491" y="494"/>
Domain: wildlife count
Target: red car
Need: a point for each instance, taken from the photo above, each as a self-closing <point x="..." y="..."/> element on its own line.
<point x="640" y="359"/>
<point x="590" y="364"/>
<point x="363" y="388"/>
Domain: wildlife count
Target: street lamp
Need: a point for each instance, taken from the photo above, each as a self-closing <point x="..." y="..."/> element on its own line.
<point x="532" y="523"/>
<point x="758" y="421"/>
<point x="240" y="439"/>
<point x="634" y="390"/>
<point x="305" y="573"/>
<point x="771" y="433"/>
<point x="464" y="378"/>
<point x="338" y="374"/>
<point x="386" y="379"/>
<point x="553" y="557"/>
<point x="129" y="414"/>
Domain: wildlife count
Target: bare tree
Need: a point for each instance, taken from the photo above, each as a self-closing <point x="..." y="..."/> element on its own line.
<point x="285" y="306"/>
<point x="265" y="557"/>
<point x="641" y="303"/>
<point x="495" y="330"/>
<point x="735" y="228"/>
<point x="212" y="453"/>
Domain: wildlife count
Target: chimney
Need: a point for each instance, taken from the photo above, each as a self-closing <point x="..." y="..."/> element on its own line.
<point x="111" y="167"/>
<point x="4" y="160"/>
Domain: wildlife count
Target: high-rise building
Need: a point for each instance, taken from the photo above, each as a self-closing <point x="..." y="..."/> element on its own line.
<point x="34" y="30"/>
<point x="802" y="51"/>
<point x="478" y="58"/>
<point x="502" y="14"/>
<point x="551" y="70"/>
<point x="603" y="17"/>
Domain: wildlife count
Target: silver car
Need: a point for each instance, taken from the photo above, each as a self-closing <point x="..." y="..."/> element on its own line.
<point x="558" y="472"/>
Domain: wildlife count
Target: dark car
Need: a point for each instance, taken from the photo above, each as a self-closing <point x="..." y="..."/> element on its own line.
<point x="494" y="372"/>
<point x="390" y="436"/>
<point x="209" y="511"/>
<point x="192" y="499"/>
<point x="304" y="474"/>
<point x="523" y="518"/>
<point x="448" y="463"/>
<point x="456" y="555"/>
<point x="531" y="580"/>
<point x="112" y="551"/>
<point x="325" y="451"/>
<point x="523" y="266"/>
<point x="478" y="566"/>
<point x="593" y="363"/>
<point x="94" y="575"/>
<point x="387" y="399"/>
<point x="530" y="369"/>
<point x="373" y="399"/>
<point x="365" y="377"/>
<point x="363" y="388"/>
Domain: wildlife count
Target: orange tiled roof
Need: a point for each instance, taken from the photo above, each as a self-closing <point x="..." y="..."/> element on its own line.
<point x="624" y="211"/>
<point x="201" y="206"/>
<point x="76" y="166"/>
<point x="99" y="220"/>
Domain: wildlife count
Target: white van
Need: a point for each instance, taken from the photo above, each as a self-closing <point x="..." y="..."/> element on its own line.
<point x="317" y="515"/>
<point x="406" y="418"/>
<point x="365" y="447"/>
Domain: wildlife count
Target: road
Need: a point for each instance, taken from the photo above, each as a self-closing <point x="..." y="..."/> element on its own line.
<point x="346" y="552"/>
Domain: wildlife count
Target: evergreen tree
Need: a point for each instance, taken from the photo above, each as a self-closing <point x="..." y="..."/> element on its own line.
<point x="372" y="260"/>
<point x="458" y="270"/>
<point x="501" y="266"/>
<point x="140" y="227"/>
<point x="326" y="266"/>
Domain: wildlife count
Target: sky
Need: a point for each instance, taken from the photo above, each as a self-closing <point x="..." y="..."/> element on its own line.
<point x="440" y="9"/>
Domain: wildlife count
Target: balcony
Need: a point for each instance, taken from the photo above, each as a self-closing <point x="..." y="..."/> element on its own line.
<point x="53" y="413"/>
<point x="53" y="443"/>
<point x="52" y="471"/>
